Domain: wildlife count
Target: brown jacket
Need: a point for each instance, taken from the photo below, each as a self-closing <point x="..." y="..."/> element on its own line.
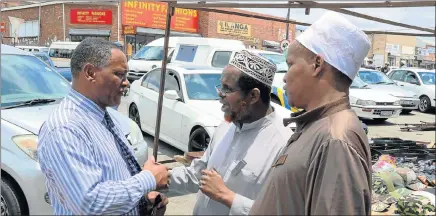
<point x="324" y="169"/>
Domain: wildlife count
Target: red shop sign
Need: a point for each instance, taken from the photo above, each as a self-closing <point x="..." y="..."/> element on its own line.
<point x="89" y="16"/>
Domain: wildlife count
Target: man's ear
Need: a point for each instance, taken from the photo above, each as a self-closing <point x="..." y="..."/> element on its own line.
<point x="254" y="96"/>
<point x="319" y="66"/>
<point x="89" y="71"/>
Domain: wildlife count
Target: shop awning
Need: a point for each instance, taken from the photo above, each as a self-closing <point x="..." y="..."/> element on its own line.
<point x="268" y="43"/>
<point x="142" y="30"/>
<point x="93" y="32"/>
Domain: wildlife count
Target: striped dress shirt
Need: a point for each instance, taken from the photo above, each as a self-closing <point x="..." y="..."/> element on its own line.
<point x="85" y="173"/>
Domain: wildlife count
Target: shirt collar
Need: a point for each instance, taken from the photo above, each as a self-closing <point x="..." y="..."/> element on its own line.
<point x="87" y="105"/>
<point x="304" y="118"/>
<point x="259" y="123"/>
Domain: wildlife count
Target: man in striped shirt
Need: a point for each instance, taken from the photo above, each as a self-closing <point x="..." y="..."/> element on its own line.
<point x="83" y="153"/>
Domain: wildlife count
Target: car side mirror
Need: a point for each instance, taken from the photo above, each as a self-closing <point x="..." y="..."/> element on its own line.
<point x="172" y="95"/>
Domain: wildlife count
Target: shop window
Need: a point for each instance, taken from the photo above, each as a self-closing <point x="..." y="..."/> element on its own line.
<point x="27" y="29"/>
<point x="186" y="53"/>
<point x="221" y="58"/>
<point x="80" y="38"/>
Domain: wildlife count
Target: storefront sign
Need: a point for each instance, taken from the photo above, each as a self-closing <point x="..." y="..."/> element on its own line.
<point x="394" y="49"/>
<point x="232" y="28"/>
<point x="153" y="15"/>
<point x="129" y="30"/>
<point x="2" y="27"/>
<point x="88" y="16"/>
<point x="430" y="49"/>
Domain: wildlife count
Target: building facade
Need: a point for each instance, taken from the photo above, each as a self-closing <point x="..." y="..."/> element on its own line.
<point x="135" y="22"/>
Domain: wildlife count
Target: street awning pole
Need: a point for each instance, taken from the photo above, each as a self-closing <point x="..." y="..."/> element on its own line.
<point x="170" y="13"/>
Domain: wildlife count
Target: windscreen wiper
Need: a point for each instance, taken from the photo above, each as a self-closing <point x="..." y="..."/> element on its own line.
<point x="31" y="103"/>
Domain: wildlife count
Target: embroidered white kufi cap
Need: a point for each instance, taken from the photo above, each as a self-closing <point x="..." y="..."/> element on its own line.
<point x="342" y="44"/>
<point x="255" y="66"/>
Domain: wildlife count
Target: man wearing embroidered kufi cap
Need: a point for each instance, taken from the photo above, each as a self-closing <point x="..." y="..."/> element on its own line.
<point x="325" y="167"/>
<point x="230" y="174"/>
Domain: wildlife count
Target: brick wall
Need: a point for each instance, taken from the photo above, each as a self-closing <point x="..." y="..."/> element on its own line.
<point x="260" y="29"/>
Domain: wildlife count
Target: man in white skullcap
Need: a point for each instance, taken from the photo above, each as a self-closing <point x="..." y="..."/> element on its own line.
<point x="230" y="174"/>
<point x="325" y="167"/>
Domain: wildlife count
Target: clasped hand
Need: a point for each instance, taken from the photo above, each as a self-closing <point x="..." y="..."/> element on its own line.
<point x="213" y="186"/>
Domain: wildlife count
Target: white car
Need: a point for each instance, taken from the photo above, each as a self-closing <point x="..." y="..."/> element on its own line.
<point x="409" y="100"/>
<point x="419" y="80"/>
<point x="191" y="109"/>
<point x="371" y="103"/>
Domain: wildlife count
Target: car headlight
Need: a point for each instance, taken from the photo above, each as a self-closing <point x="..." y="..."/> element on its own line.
<point x="365" y="102"/>
<point x="135" y="136"/>
<point x="28" y="144"/>
<point x="397" y="102"/>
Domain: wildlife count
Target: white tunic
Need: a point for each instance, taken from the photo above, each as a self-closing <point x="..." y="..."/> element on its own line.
<point x="256" y="145"/>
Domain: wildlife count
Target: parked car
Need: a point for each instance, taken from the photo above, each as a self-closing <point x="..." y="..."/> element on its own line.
<point x="187" y="50"/>
<point x="409" y="100"/>
<point x="33" y="48"/>
<point x="191" y="109"/>
<point x="419" y="80"/>
<point x="371" y="103"/>
<point x="30" y="92"/>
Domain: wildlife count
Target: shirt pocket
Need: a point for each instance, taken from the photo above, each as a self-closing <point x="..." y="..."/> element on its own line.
<point x="240" y="178"/>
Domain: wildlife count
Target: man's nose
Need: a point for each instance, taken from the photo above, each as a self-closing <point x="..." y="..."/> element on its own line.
<point x="126" y="82"/>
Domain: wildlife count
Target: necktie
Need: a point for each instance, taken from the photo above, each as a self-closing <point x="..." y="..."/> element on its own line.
<point x="128" y="157"/>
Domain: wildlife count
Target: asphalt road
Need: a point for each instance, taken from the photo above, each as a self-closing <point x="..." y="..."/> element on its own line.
<point x="184" y="204"/>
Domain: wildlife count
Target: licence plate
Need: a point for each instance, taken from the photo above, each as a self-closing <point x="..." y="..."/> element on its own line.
<point x="386" y="113"/>
<point x="407" y="102"/>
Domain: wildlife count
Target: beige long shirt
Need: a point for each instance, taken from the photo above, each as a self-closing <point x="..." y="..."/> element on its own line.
<point x="325" y="169"/>
<point x="256" y="144"/>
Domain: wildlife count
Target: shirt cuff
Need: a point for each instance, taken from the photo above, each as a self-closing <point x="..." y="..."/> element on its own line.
<point x="241" y="205"/>
<point x="147" y="181"/>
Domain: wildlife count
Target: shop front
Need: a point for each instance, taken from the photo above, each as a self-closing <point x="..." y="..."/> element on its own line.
<point x="144" y="22"/>
<point x="89" y="23"/>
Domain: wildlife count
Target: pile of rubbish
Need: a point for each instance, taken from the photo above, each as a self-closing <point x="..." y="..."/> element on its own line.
<point x="403" y="177"/>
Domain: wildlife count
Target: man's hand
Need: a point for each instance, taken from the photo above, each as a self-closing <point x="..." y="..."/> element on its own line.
<point x="159" y="171"/>
<point x="152" y="197"/>
<point x="212" y="185"/>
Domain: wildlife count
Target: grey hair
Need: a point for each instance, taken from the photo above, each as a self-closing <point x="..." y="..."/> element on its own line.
<point x="94" y="51"/>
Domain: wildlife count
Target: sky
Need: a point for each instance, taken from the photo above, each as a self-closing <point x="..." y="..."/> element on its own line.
<point x="418" y="16"/>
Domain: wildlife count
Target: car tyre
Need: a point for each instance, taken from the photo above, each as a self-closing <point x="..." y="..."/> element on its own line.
<point x="274" y="100"/>
<point x="10" y="204"/>
<point x="406" y="111"/>
<point x="380" y="120"/>
<point x="198" y="140"/>
<point x="134" y="115"/>
<point x="424" y="104"/>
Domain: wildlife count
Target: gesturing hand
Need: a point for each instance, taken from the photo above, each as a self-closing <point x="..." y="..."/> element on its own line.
<point x="159" y="171"/>
<point x="212" y="185"/>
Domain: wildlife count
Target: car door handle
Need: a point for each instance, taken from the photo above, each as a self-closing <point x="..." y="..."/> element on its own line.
<point x="135" y="149"/>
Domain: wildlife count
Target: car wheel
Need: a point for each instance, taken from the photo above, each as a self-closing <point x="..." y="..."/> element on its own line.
<point x="424" y="104"/>
<point x="199" y="140"/>
<point x="380" y="120"/>
<point x="134" y="115"/>
<point x="275" y="100"/>
<point x="406" y="111"/>
<point x="9" y="200"/>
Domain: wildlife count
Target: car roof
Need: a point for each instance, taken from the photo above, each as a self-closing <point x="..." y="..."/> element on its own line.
<point x="263" y="51"/>
<point x="6" y="49"/>
<point x="415" y="69"/>
<point x="193" y="69"/>
<point x="368" y="69"/>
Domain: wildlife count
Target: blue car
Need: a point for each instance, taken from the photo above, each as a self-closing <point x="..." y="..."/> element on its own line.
<point x="65" y="72"/>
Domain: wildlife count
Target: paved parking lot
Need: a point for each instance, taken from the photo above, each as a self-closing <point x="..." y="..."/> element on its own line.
<point x="183" y="204"/>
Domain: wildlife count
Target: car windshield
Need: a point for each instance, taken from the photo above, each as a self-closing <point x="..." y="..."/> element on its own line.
<point x="27" y="78"/>
<point x="202" y="86"/>
<point x="45" y="58"/>
<point x="61" y="53"/>
<point x="374" y="77"/>
<point x="358" y="83"/>
<point x="153" y="53"/>
<point x="428" y="78"/>
<point x="277" y="59"/>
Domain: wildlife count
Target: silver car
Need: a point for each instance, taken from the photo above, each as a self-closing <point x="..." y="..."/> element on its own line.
<point x="31" y="90"/>
<point x="409" y="100"/>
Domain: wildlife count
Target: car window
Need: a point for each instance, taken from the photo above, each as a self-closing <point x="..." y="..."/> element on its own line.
<point x="153" y="80"/>
<point x="411" y="78"/>
<point x="374" y="77"/>
<point x="186" y="53"/>
<point x="398" y="75"/>
<point x="151" y="53"/>
<point x="202" y="86"/>
<point x="221" y="58"/>
<point x="428" y="78"/>
<point x="61" y="53"/>
<point x="172" y="83"/>
<point x="26" y="78"/>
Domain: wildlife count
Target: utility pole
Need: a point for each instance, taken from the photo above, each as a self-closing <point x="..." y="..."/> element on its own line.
<point x="287" y="24"/>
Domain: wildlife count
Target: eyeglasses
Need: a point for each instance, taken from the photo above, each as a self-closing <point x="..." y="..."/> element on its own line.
<point x="224" y="90"/>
